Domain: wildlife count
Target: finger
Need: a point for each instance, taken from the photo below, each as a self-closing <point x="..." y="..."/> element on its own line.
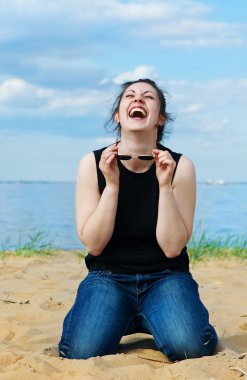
<point x="157" y="159"/>
<point x="156" y="151"/>
<point x="107" y="154"/>
<point x="163" y="162"/>
<point x="157" y="162"/>
<point x="162" y="155"/>
<point x="111" y="148"/>
<point x="166" y="162"/>
<point x="110" y="159"/>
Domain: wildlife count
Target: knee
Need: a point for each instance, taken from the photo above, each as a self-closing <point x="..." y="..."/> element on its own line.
<point x="86" y="347"/>
<point x="185" y="347"/>
<point x="77" y="351"/>
<point x="197" y="347"/>
<point x="70" y="352"/>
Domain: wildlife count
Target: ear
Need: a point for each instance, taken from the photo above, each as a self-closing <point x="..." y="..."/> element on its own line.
<point x="162" y="120"/>
<point x="116" y="117"/>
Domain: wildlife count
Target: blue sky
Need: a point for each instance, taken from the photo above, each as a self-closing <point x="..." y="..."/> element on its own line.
<point x="61" y="64"/>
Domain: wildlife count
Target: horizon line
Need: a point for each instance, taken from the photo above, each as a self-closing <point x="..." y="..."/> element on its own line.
<point x="207" y="181"/>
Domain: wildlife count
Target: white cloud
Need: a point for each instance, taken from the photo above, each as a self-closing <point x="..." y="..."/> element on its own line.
<point x="198" y="33"/>
<point x="213" y="126"/>
<point x="180" y="23"/>
<point x="17" y="92"/>
<point x="142" y="11"/>
<point x="104" y="81"/>
<point x="216" y="93"/>
<point x="208" y="108"/>
<point x="192" y="108"/>
<point x="76" y="103"/>
<point x="20" y="97"/>
<point x="140" y="72"/>
<point x="203" y="107"/>
<point x="202" y="42"/>
<point x="99" y="10"/>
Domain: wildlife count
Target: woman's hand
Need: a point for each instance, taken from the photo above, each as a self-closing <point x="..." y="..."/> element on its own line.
<point x="165" y="166"/>
<point x="109" y="166"/>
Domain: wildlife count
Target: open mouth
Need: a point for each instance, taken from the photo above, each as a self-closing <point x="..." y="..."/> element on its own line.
<point x="137" y="113"/>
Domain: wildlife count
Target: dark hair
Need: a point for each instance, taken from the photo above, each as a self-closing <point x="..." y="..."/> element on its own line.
<point x="162" y="99"/>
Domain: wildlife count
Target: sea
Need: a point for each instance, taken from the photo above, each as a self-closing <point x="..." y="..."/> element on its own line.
<point x="46" y="211"/>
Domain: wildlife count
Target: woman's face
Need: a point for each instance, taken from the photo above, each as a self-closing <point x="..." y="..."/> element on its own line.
<point x="139" y="108"/>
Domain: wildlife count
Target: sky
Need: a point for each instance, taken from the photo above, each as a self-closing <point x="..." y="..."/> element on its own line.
<point x="62" y="63"/>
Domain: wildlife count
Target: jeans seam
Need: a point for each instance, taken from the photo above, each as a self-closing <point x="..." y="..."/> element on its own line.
<point x="137" y="294"/>
<point x="65" y="339"/>
<point x="125" y="329"/>
<point x="64" y="343"/>
<point x="162" y="349"/>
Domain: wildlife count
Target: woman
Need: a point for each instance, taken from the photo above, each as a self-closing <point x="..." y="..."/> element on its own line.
<point x="135" y="204"/>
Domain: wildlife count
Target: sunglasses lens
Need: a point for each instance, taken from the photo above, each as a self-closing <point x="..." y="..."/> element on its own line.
<point x="146" y="157"/>
<point x="124" y="157"/>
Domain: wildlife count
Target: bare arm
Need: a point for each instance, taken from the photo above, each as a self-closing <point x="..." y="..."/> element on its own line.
<point x="95" y="213"/>
<point x="176" y="205"/>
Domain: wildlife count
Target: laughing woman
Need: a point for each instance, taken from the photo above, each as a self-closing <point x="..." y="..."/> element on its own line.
<point x="135" y="203"/>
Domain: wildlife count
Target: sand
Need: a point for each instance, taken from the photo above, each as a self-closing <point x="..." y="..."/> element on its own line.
<point x="36" y="293"/>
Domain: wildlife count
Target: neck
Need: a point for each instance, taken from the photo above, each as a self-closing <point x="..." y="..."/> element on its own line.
<point x="137" y="144"/>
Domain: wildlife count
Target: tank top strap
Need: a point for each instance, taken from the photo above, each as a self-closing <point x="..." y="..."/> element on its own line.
<point x="101" y="178"/>
<point x="175" y="156"/>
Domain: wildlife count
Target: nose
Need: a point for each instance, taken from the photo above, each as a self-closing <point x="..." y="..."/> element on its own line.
<point x="138" y="98"/>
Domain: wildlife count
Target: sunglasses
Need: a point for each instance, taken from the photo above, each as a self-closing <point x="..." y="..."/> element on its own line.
<point x="144" y="157"/>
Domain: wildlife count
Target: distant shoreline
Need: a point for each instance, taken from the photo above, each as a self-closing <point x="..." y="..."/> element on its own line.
<point x="206" y="182"/>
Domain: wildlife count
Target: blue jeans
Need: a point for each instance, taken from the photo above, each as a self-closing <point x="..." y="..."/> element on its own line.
<point x="165" y="304"/>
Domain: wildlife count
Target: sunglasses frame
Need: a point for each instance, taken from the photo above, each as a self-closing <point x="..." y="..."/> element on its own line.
<point x="125" y="157"/>
<point x="143" y="157"/>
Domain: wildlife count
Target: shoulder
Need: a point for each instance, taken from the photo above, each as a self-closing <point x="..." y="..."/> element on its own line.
<point x="185" y="170"/>
<point x="86" y="166"/>
<point x="186" y="163"/>
<point x="91" y="158"/>
<point x="183" y="162"/>
<point x="88" y="159"/>
<point x="89" y="165"/>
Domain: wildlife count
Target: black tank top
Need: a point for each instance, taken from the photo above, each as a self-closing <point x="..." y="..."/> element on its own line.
<point x="133" y="247"/>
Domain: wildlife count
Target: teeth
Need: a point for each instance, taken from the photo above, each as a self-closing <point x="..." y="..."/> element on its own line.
<point x="137" y="109"/>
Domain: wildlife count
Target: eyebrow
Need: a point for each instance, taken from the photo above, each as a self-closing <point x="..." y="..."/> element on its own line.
<point x="143" y="92"/>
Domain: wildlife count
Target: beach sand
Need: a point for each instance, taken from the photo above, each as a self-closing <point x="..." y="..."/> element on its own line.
<point x="36" y="293"/>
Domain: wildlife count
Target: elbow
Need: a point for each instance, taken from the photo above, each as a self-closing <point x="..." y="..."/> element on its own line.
<point x="172" y="250"/>
<point x="172" y="253"/>
<point x="93" y="249"/>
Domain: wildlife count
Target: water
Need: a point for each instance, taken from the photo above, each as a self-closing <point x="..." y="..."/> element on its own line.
<point x="221" y="211"/>
<point x="28" y="207"/>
